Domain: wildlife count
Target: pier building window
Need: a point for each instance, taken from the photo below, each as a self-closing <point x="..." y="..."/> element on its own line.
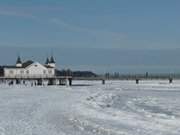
<point x="22" y="71"/>
<point x="44" y="71"/>
<point x="11" y="72"/>
<point x="27" y="72"/>
<point x="50" y="71"/>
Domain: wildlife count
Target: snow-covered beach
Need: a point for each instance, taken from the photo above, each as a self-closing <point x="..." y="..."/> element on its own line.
<point x="117" y="108"/>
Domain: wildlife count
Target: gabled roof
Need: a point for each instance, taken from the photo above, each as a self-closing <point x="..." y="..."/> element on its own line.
<point x="27" y="63"/>
<point x="24" y="65"/>
<point x="47" y="66"/>
<point x="9" y="66"/>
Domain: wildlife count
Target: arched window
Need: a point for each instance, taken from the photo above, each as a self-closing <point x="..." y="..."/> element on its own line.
<point x="27" y="72"/>
<point x="22" y="71"/>
<point x="11" y="72"/>
<point x="44" y="71"/>
<point x="50" y="71"/>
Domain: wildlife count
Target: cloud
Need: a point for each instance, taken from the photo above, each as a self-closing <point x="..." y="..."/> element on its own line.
<point x="43" y="8"/>
<point x="33" y="13"/>
<point x="16" y="14"/>
<point x="27" y="11"/>
<point x="101" y="36"/>
<point x="96" y="32"/>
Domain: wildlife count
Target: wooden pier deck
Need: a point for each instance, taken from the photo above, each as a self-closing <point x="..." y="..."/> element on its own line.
<point x="52" y="80"/>
<point x="64" y="79"/>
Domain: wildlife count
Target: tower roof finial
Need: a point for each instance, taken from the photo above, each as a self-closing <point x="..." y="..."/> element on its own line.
<point x="19" y="60"/>
<point x="47" y="61"/>
<point x="52" y="60"/>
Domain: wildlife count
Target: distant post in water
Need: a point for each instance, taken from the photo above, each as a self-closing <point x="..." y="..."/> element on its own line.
<point x="170" y="80"/>
<point x="17" y="81"/>
<point x="70" y="81"/>
<point x="103" y="81"/>
<point x="147" y="74"/>
<point x="39" y="82"/>
<point x="137" y="81"/>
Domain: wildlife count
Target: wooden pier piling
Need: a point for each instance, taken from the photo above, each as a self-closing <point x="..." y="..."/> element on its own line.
<point x="57" y="80"/>
<point x="70" y="81"/>
<point x="170" y="80"/>
<point x="103" y="81"/>
<point x="137" y="81"/>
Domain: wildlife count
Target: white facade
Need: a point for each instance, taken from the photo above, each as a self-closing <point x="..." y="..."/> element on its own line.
<point x="34" y="70"/>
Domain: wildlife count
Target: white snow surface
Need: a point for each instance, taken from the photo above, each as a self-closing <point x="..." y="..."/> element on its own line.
<point x="117" y="108"/>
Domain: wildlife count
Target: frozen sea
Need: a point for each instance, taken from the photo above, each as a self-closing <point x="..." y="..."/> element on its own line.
<point x="117" y="108"/>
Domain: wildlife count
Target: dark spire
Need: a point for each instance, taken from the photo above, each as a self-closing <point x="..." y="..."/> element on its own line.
<point x="52" y="60"/>
<point x="18" y="60"/>
<point x="47" y="61"/>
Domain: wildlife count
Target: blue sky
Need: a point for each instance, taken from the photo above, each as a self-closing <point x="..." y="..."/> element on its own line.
<point x="102" y="24"/>
<point x="90" y="23"/>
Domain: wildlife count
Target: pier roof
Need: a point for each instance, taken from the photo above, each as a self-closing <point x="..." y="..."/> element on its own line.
<point x="27" y="63"/>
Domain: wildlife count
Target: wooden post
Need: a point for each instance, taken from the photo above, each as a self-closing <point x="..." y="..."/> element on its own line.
<point x="170" y="80"/>
<point x="17" y="81"/>
<point x="39" y="82"/>
<point x="70" y="81"/>
<point x="103" y="81"/>
<point x="59" y="81"/>
<point x="50" y="82"/>
<point x="137" y="81"/>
